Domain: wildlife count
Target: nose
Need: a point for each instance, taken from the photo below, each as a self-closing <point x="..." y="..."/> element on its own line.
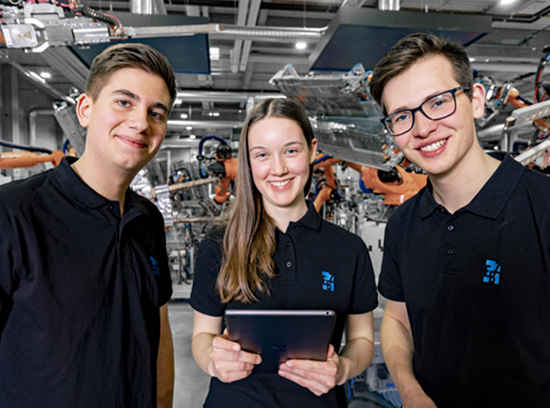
<point x="278" y="167"/>
<point x="422" y="125"/>
<point x="139" y="120"/>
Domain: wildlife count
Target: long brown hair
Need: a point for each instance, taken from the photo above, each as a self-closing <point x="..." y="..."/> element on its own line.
<point x="249" y="240"/>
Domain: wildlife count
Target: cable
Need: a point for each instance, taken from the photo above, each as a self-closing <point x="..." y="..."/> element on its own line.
<point x="89" y="12"/>
<point x="28" y="148"/>
<point x="65" y="145"/>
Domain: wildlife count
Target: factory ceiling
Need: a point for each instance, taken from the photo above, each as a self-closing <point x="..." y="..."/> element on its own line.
<point x="258" y="38"/>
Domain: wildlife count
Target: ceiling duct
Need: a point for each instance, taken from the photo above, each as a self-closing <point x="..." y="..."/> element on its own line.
<point x="271" y="34"/>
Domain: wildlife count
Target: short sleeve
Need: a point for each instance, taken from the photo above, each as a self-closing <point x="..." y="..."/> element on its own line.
<point x="204" y="297"/>
<point x="166" y="282"/>
<point x="390" y="284"/>
<point x="364" y="297"/>
<point x="7" y="275"/>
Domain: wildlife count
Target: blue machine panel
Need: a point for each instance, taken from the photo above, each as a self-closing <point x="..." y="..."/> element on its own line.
<point x="365" y="35"/>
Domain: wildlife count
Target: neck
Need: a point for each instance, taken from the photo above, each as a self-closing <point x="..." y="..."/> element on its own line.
<point x="109" y="184"/>
<point x="459" y="187"/>
<point x="284" y="216"/>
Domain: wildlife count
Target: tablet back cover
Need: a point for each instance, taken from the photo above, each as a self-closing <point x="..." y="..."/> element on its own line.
<point x="280" y="335"/>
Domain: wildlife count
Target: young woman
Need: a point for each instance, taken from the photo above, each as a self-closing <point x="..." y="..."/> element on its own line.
<point x="277" y="253"/>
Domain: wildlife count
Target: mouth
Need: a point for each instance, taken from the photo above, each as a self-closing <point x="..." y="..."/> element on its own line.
<point x="132" y="142"/>
<point x="434" y="146"/>
<point x="279" y="183"/>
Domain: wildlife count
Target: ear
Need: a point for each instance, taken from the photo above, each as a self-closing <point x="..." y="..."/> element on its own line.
<point x="313" y="151"/>
<point x="478" y="100"/>
<point x="84" y="110"/>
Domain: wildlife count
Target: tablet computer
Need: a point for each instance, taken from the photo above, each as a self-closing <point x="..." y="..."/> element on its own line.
<point x="280" y="335"/>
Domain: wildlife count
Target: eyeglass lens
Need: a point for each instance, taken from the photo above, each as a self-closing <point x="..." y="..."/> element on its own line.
<point x="435" y="108"/>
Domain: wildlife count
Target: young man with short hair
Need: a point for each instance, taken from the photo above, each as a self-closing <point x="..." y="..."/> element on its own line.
<point x="466" y="268"/>
<point x="84" y="278"/>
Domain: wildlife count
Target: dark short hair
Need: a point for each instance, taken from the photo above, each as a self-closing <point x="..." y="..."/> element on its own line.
<point x="279" y="108"/>
<point x="129" y="55"/>
<point x="412" y="49"/>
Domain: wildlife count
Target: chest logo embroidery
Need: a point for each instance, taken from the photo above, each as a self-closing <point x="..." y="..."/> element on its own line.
<point x="493" y="273"/>
<point x="328" y="281"/>
<point x="154" y="265"/>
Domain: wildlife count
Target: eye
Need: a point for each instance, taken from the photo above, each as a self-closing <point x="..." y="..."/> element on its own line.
<point x="123" y="102"/>
<point x="400" y="117"/>
<point x="157" y="115"/>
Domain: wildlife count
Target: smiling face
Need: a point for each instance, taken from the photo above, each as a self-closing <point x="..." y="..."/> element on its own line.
<point x="126" y="122"/>
<point x="280" y="163"/>
<point x="443" y="146"/>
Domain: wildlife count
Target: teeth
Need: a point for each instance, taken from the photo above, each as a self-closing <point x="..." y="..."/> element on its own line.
<point x="280" y="183"/>
<point x="433" y="146"/>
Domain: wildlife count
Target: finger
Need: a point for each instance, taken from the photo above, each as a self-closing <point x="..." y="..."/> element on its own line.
<point x="222" y="342"/>
<point x="324" y="368"/>
<point x="219" y="355"/>
<point x="316" y="387"/>
<point x="331" y="351"/>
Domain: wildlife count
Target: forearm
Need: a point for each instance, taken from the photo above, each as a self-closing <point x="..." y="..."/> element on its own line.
<point x="165" y="364"/>
<point x="355" y="357"/>
<point x="202" y="348"/>
<point x="398" y="349"/>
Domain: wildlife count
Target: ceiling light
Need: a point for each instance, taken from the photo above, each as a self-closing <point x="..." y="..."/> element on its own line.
<point x="472" y="59"/>
<point x="192" y="136"/>
<point x="301" y="45"/>
<point x="504" y="2"/>
<point x="184" y="116"/>
<point x="178" y="102"/>
<point x="189" y="127"/>
<point x="45" y="75"/>
<point x="214" y="53"/>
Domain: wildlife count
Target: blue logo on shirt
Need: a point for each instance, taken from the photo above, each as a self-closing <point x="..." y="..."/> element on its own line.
<point x="493" y="272"/>
<point x="328" y="281"/>
<point x="154" y="265"/>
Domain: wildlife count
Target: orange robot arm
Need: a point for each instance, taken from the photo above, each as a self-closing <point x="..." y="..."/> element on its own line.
<point x="28" y="159"/>
<point x="230" y="174"/>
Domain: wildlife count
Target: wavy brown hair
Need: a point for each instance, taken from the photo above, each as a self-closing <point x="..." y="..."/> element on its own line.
<point x="249" y="240"/>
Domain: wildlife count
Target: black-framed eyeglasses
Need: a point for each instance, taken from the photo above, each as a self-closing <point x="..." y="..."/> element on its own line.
<point x="437" y="107"/>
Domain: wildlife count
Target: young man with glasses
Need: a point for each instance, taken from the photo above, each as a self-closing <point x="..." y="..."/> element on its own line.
<point x="466" y="269"/>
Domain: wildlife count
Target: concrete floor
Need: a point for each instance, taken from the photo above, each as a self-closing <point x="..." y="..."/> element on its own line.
<point x="192" y="383"/>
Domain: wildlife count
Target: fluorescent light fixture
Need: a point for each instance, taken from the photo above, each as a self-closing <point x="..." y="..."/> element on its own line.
<point x="472" y="59"/>
<point x="184" y="116"/>
<point x="45" y="75"/>
<point x="192" y="137"/>
<point x="301" y="45"/>
<point x="504" y="2"/>
<point x="178" y="102"/>
<point x="214" y="53"/>
<point x="189" y="127"/>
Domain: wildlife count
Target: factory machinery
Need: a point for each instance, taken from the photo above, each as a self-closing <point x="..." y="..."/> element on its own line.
<point x="360" y="176"/>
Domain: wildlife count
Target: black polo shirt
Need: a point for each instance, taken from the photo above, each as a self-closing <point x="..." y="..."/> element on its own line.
<point x="319" y="266"/>
<point x="80" y="291"/>
<point x="477" y="289"/>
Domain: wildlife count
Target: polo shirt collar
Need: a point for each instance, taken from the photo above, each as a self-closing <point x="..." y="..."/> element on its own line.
<point x="83" y="194"/>
<point x="491" y="198"/>
<point x="311" y="219"/>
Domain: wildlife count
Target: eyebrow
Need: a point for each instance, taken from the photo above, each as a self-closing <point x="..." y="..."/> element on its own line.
<point x="425" y="99"/>
<point x="135" y="97"/>
<point x="286" y="145"/>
